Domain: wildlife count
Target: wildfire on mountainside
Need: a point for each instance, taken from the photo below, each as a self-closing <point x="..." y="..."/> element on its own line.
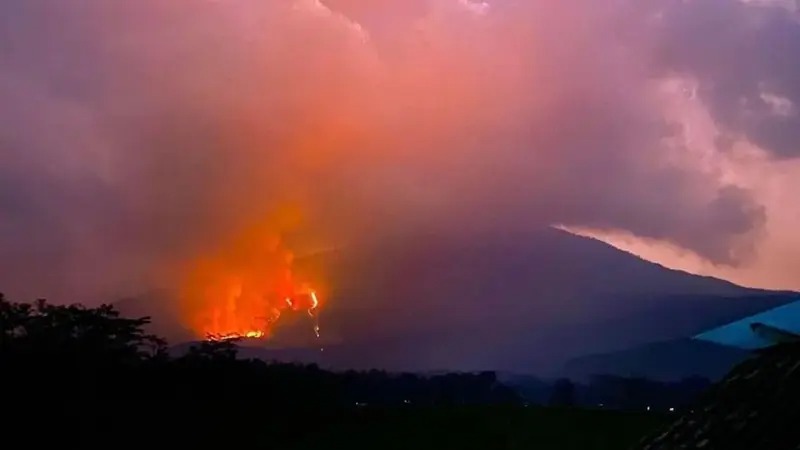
<point x="307" y="301"/>
<point x="242" y="290"/>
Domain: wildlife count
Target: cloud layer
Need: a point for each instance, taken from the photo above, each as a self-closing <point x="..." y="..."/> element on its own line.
<point x="135" y="136"/>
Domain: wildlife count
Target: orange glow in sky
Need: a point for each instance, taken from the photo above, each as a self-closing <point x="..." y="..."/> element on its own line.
<point x="242" y="289"/>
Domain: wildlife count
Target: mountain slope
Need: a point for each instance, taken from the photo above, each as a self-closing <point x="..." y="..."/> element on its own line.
<point x="703" y="355"/>
<point x="666" y="361"/>
<point x="518" y="303"/>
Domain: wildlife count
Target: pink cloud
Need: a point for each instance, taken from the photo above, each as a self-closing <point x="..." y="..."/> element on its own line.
<point x="188" y="121"/>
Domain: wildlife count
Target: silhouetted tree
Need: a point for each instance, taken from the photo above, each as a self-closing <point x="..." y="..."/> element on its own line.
<point x="563" y="393"/>
<point x="226" y="350"/>
<point x="73" y="332"/>
<point x="94" y="373"/>
<point x="634" y="393"/>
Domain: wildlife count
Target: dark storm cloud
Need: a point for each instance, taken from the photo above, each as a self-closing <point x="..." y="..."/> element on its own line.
<point x="746" y="58"/>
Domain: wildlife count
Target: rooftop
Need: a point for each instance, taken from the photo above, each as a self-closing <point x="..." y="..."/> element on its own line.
<point x="757" y="406"/>
<point x="742" y="334"/>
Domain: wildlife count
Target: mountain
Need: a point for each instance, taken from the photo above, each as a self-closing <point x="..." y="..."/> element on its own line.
<point x="664" y="361"/>
<point x="702" y="355"/>
<point x="520" y="303"/>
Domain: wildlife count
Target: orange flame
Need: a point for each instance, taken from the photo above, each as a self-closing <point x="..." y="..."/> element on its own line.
<point x="241" y="290"/>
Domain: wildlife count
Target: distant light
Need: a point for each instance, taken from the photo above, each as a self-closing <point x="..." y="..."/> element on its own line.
<point x="672" y="410"/>
<point x="601" y="405"/>
<point x="406" y="402"/>
<point x="648" y="408"/>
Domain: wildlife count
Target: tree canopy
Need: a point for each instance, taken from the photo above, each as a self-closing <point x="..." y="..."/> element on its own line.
<point x="98" y="375"/>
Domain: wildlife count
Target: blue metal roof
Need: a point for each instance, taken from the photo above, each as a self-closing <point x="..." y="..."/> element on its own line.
<point x="739" y="334"/>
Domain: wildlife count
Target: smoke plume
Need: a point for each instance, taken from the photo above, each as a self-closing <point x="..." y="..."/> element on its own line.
<point x="138" y="137"/>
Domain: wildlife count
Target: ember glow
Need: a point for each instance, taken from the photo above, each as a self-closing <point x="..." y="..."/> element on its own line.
<point x="244" y="289"/>
<point x="226" y="323"/>
<point x="255" y="334"/>
<point x="300" y="301"/>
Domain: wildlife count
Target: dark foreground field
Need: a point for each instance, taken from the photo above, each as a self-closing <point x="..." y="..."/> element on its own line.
<point x="84" y="377"/>
<point x="479" y="428"/>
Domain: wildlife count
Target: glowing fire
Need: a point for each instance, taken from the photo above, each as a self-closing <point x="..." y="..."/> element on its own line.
<point x="253" y="334"/>
<point x="306" y="299"/>
<point x="242" y="290"/>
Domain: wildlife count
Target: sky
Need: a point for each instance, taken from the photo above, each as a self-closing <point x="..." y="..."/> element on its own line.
<point x="139" y="137"/>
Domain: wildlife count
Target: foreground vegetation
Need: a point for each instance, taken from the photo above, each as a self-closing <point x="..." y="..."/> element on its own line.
<point x="480" y="427"/>
<point x="75" y="375"/>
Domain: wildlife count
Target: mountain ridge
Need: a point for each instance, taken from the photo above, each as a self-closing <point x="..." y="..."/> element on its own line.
<point x="522" y="303"/>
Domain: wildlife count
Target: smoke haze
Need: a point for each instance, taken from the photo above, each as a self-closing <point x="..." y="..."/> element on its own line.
<point x="139" y="136"/>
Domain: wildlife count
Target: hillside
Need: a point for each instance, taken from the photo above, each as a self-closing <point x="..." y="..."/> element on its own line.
<point x="710" y="353"/>
<point x="516" y="303"/>
<point x="668" y="361"/>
